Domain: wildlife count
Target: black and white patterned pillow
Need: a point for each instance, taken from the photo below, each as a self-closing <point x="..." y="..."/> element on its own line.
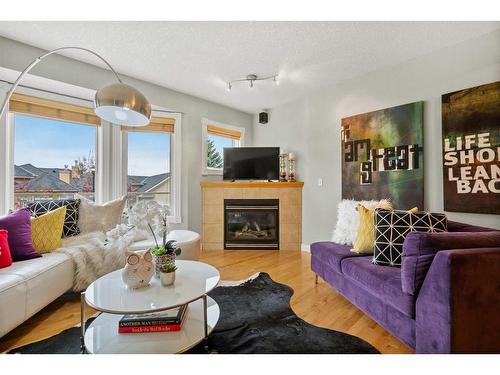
<point x="391" y="228"/>
<point x="72" y="210"/>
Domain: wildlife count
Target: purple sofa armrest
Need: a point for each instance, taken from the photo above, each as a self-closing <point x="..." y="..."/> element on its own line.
<point x="419" y="250"/>
<point x="457" y="307"/>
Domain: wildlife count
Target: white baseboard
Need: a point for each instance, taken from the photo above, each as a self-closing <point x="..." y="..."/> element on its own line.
<point x="305" y="247"/>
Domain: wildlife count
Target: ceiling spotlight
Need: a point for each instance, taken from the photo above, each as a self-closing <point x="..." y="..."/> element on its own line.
<point x="251" y="78"/>
<point x="276" y="80"/>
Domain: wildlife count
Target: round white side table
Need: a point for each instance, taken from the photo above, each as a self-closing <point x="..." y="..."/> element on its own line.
<point x="111" y="296"/>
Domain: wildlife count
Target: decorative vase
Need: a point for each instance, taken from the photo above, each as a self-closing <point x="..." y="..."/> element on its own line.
<point x="283" y="158"/>
<point x="138" y="271"/>
<point x="160" y="260"/>
<point x="167" y="278"/>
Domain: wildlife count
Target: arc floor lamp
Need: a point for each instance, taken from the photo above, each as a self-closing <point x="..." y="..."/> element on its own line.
<point x="117" y="103"/>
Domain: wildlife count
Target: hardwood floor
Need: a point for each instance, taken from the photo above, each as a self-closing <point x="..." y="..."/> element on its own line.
<point x="319" y="304"/>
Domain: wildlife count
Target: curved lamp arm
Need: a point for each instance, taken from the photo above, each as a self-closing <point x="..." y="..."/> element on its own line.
<point x="40" y="58"/>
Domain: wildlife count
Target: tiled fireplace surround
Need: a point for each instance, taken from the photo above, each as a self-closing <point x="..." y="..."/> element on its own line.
<point x="289" y="195"/>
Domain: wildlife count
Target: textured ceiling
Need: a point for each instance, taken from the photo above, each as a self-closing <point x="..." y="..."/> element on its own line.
<point x="198" y="58"/>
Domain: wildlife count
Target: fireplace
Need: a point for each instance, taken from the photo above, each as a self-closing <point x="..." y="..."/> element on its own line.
<point x="251" y="224"/>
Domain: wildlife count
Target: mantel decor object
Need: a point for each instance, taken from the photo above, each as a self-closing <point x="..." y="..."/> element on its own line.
<point x="283" y="159"/>
<point x="291" y="166"/>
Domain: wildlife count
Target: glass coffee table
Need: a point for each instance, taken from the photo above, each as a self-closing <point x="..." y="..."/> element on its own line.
<point x="111" y="296"/>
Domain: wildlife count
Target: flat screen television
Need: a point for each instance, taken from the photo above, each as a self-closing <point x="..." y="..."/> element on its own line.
<point x="251" y="163"/>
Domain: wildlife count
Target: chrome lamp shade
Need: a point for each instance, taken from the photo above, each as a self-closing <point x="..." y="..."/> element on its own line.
<point x="122" y="104"/>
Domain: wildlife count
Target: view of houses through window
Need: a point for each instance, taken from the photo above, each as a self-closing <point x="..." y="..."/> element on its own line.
<point x="52" y="159"/>
<point x="149" y="167"/>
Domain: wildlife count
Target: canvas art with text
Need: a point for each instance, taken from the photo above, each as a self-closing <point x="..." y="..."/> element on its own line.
<point x="471" y="149"/>
<point x="383" y="157"/>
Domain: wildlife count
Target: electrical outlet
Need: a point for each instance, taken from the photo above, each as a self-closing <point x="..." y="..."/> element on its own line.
<point x="320" y="182"/>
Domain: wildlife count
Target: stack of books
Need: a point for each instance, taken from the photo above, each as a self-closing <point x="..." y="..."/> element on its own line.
<point x="164" y="321"/>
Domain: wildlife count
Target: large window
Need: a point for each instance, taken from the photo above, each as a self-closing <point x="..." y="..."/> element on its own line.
<point x="54" y="149"/>
<point x="53" y="159"/>
<point x="216" y="137"/>
<point x="149" y="173"/>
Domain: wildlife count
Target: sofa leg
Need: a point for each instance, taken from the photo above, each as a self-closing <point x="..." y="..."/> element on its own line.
<point x="316" y="278"/>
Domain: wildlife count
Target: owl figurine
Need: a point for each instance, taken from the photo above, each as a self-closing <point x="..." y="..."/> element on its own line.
<point x="139" y="269"/>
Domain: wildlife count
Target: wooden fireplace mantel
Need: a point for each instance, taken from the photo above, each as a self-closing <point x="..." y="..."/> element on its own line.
<point x="289" y="195"/>
<point x="251" y="184"/>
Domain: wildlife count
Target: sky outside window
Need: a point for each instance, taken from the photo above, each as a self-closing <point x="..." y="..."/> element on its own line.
<point x="148" y="153"/>
<point x="49" y="143"/>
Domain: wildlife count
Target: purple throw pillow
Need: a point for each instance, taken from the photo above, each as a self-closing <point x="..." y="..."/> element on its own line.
<point x="18" y="224"/>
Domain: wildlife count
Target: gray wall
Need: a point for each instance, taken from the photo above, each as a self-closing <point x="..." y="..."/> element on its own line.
<point x="15" y="55"/>
<point x="310" y="126"/>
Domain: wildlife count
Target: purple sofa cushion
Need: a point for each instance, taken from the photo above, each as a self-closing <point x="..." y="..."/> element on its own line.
<point x="455" y="226"/>
<point x="382" y="282"/>
<point x="419" y="250"/>
<point x="332" y="253"/>
<point x="18" y="224"/>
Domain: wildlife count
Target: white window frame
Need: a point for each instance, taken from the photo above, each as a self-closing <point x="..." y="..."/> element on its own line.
<point x="175" y="166"/>
<point x="111" y="156"/>
<point x="208" y="171"/>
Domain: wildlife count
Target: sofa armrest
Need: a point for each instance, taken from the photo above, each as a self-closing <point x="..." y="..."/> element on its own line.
<point x="419" y="250"/>
<point x="458" y="304"/>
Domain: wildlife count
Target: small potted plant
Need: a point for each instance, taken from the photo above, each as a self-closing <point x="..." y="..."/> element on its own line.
<point x="164" y="255"/>
<point x="167" y="274"/>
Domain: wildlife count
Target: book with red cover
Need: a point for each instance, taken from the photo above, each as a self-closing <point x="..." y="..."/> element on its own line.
<point x="144" y="328"/>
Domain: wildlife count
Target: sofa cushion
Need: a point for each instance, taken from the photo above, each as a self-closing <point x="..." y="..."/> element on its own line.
<point x="332" y="253"/>
<point x="346" y="228"/>
<point x="392" y="227"/>
<point x="18" y="224"/>
<point x="70" y="219"/>
<point x="419" y="250"/>
<point x="13" y="293"/>
<point x="96" y="217"/>
<point x="382" y="282"/>
<point x="47" y="230"/>
<point x="455" y="226"/>
<point x="29" y="269"/>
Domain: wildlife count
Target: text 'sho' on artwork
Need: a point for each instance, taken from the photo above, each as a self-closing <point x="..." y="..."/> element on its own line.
<point x="383" y="156"/>
<point x="471" y="149"/>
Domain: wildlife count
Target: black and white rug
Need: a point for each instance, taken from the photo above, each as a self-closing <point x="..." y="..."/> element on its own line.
<point x="255" y="317"/>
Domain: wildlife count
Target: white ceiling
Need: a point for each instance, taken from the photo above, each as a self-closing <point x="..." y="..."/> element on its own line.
<point x="198" y="58"/>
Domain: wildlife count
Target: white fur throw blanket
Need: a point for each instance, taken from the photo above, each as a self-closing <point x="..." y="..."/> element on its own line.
<point x="93" y="258"/>
<point x="346" y="229"/>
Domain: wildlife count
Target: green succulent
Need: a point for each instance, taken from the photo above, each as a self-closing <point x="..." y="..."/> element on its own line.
<point x="169" y="249"/>
<point x="168" y="267"/>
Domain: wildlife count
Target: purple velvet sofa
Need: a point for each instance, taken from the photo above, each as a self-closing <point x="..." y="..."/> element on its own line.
<point x="445" y="298"/>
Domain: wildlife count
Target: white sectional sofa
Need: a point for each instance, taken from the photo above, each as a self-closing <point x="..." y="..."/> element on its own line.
<point x="27" y="287"/>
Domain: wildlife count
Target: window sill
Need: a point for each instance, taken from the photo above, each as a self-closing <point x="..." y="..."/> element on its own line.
<point x="212" y="172"/>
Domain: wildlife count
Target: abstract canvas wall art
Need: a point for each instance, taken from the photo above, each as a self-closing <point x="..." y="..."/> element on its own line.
<point x="471" y="149"/>
<point x="382" y="156"/>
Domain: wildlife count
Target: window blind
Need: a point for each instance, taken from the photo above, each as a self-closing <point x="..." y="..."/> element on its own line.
<point x="33" y="106"/>
<point x="157" y="124"/>
<point x="223" y="132"/>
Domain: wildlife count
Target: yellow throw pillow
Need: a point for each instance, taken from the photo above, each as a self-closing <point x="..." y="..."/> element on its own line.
<point x="366" y="230"/>
<point x="46" y="230"/>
